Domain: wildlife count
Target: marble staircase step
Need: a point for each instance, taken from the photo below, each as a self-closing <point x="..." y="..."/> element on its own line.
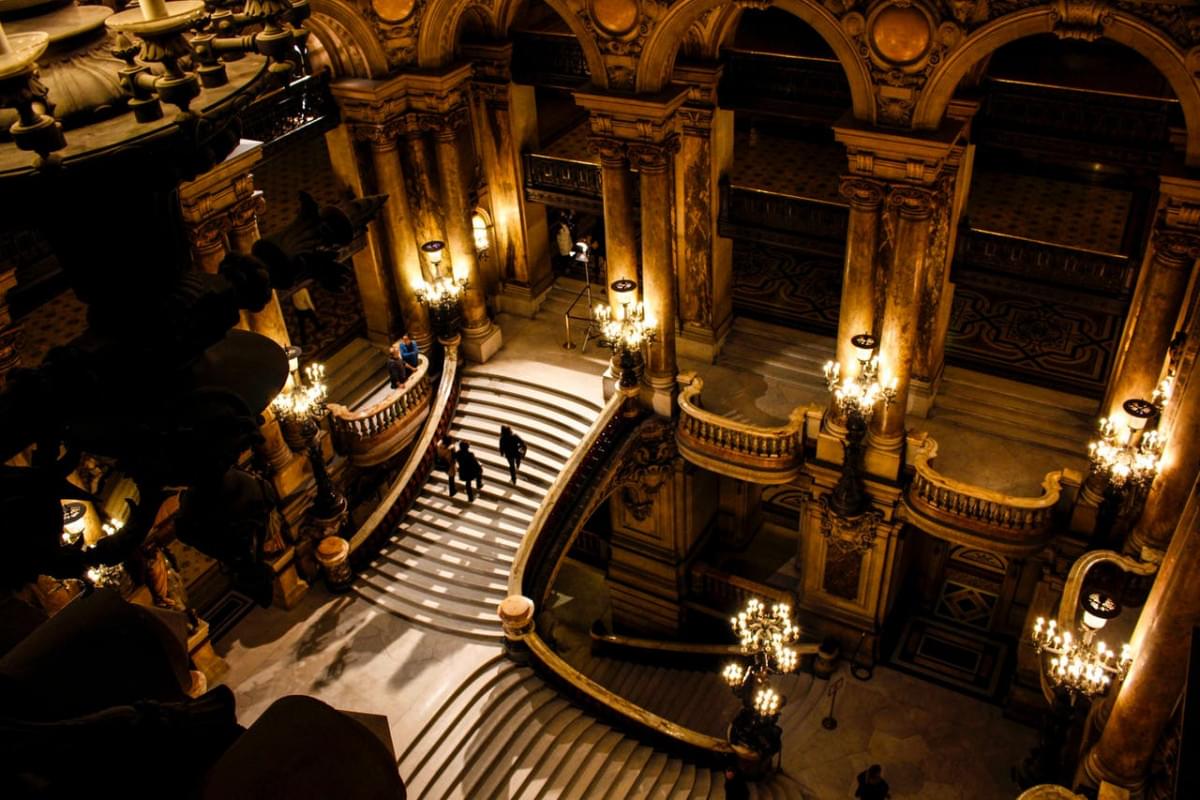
<point x="357" y="374"/>
<point x="441" y="613"/>
<point x="969" y="381"/>
<point x="682" y="787"/>
<point x="664" y="781"/>
<point x="483" y="440"/>
<point x="626" y="774"/>
<point x="583" y="777"/>
<point x="551" y="396"/>
<point x="1007" y="429"/>
<point x="398" y="558"/>
<point x="537" y="434"/>
<point x="519" y="401"/>
<point x="516" y="759"/>
<point x="1051" y="412"/>
<point x="542" y="776"/>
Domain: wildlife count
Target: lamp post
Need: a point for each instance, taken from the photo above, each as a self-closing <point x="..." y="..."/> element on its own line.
<point x="765" y="635"/>
<point x="624" y="329"/>
<point x="301" y="406"/>
<point x="443" y="294"/>
<point x="855" y="397"/>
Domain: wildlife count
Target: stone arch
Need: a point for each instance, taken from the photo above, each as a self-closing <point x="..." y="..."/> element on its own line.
<point x="351" y="45"/>
<point x="1148" y="41"/>
<point x="441" y="18"/>
<point x="658" y="55"/>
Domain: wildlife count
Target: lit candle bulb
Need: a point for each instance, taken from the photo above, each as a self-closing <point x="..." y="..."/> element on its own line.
<point x="153" y="9"/>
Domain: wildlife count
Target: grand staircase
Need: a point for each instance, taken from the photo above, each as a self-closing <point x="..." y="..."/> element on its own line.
<point x="356" y="373"/>
<point x="447" y="565"/>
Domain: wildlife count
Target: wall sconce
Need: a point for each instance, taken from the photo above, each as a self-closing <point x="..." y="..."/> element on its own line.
<point x="624" y="329"/>
<point x="74" y="522"/>
<point x="481" y="231"/>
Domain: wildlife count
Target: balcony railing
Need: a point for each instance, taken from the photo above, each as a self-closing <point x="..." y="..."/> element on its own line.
<point x="374" y="433"/>
<point x="562" y="182"/>
<point x="962" y="512"/>
<point x="748" y="452"/>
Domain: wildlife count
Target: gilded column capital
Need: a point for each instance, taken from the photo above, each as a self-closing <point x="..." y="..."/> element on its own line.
<point x="653" y="156"/>
<point x="209" y="234"/>
<point x="381" y="136"/>
<point x="863" y="194"/>
<point x="446" y="125"/>
<point x="913" y="202"/>
<point x="247" y="210"/>
<point x="1176" y="248"/>
<point x="696" y="120"/>
<point x="612" y="152"/>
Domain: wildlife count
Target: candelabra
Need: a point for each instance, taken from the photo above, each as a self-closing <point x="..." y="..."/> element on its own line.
<point x="625" y="329"/>
<point x="443" y="294"/>
<point x="765" y="635"/>
<point x="1128" y="456"/>
<point x="855" y="397"/>
<point x="301" y="407"/>
<point x="1082" y="665"/>
<point x="74" y="521"/>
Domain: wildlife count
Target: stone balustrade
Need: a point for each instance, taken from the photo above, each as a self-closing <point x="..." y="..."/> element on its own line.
<point x="374" y="433"/>
<point x="974" y="515"/>
<point x="748" y="452"/>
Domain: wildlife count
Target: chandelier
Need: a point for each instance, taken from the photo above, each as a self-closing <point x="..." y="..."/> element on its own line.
<point x="765" y="635"/>
<point x="301" y="407"/>
<point x="443" y="295"/>
<point x="858" y="394"/>
<point x="625" y="329"/>
<point x="1127" y="455"/>
<point x="1080" y="664"/>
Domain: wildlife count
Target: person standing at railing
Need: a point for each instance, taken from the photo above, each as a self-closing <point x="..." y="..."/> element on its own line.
<point x="512" y="447"/>
<point x="443" y="453"/>
<point x="470" y="470"/>
<point x="397" y="374"/>
<point x="409" y="354"/>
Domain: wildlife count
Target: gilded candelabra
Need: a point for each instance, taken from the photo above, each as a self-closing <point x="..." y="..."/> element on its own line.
<point x="301" y="407"/>
<point x="766" y="636"/>
<point x="625" y="329"/>
<point x="443" y="294"/>
<point x="855" y="398"/>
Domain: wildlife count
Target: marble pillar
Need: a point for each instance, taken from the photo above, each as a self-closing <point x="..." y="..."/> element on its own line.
<point x="401" y="242"/>
<point x="423" y="196"/>
<point x="505" y="116"/>
<point x="857" y="312"/>
<point x="914" y="207"/>
<point x="1161" y="643"/>
<point x="705" y="259"/>
<point x="370" y="272"/>
<point x="1154" y="315"/>
<point x="481" y="339"/>
<point x="620" y="231"/>
<point x="653" y="161"/>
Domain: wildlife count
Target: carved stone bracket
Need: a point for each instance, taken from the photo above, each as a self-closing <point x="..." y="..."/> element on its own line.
<point x="848" y="534"/>
<point x="1080" y="19"/>
<point x="648" y="468"/>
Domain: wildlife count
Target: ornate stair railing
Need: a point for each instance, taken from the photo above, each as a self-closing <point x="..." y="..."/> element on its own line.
<point x="974" y="515"/>
<point x="562" y="513"/>
<point x="715" y="591"/>
<point x="378" y="527"/>
<point x="748" y="452"/>
<point x="372" y="434"/>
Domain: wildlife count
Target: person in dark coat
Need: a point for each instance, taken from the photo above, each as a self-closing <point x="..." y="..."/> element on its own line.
<point x="512" y="447"/>
<point x="469" y="470"/>
<point x="397" y="374"/>
<point x="871" y="785"/>
<point x="408" y="354"/>
<point x="444" y="453"/>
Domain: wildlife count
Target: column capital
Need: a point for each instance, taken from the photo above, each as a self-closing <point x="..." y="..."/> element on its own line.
<point x="696" y="120"/>
<point x="1176" y="248"/>
<point x="864" y="194"/>
<point x="653" y="156"/>
<point x="445" y="125"/>
<point x="210" y="233"/>
<point x="380" y="135"/>
<point x="914" y="202"/>
<point x="248" y="209"/>
<point x="612" y="151"/>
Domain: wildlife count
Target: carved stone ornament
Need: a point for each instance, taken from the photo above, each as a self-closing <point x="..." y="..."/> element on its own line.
<point x="396" y="23"/>
<point x="1080" y="19"/>
<point x="445" y="126"/>
<point x="862" y="193"/>
<point x="913" y="201"/>
<point x="620" y="28"/>
<point x="650" y="465"/>
<point x="1178" y="248"/>
<point x="653" y="156"/>
<point x="611" y="151"/>
<point x="853" y="534"/>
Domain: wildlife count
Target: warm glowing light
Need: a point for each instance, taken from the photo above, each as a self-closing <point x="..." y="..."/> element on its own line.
<point x="304" y="399"/>
<point x="859" y="393"/>
<point x="1080" y="665"/>
<point x="479" y="230"/>
<point x="1126" y="454"/>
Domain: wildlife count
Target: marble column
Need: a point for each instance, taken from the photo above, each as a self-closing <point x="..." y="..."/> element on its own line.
<point x="401" y="242"/>
<point x="481" y="339"/>
<point x="243" y="233"/>
<point x="370" y="272"/>
<point x="1180" y="466"/>
<point x="505" y="116"/>
<point x="857" y="312"/>
<point x="423" y="196"/>
<point x="1152" y="319"/>
<point x="653" y="162"/>
<point x="1161" y="643"/>
<point x="914" y="207"/>
<point x="705" y="259"/>
<point x="208" y="246"/>
<point x="620" y="231"/>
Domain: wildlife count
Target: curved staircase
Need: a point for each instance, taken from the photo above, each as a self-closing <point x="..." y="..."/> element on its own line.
<point x="446" y="567"/>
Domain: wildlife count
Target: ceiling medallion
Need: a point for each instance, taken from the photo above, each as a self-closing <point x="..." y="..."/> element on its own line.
<point x="616" y="17"/>
<point x="900" y="33"/>
<point x="394" y="10"/>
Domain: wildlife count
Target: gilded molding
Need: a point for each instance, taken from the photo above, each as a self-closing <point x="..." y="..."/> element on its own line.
<point x="653" y="156"/>
<point x="650" y="464"/>
<point x="611" y="151"/>
<point x="1080" y="19"/>
<point x="914" y="202"/>
<point x="863" y="194"/>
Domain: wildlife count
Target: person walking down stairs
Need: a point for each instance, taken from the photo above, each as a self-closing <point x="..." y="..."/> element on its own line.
<point x="444" y="454"/>
<point x="512" y="447"/>
<point x="469" y="469"/>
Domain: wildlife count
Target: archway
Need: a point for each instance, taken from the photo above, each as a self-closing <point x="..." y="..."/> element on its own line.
<point x="658" y="56"/>
<point x="352" y="48"/>
<point x="1149" y="42"/>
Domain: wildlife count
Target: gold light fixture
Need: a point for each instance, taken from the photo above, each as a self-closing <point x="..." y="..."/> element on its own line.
<point x="1126" y="454"/>
<point x="1081" y="664"/>
<point x="443" y="294"/>
<point x="481" y="233"/>
<point x="74" y="522"/>
<point x="859" y="393"/>
<point x="624" y="329"/>
<point x="301" y="407"/>
<point x="765" y="635"/>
